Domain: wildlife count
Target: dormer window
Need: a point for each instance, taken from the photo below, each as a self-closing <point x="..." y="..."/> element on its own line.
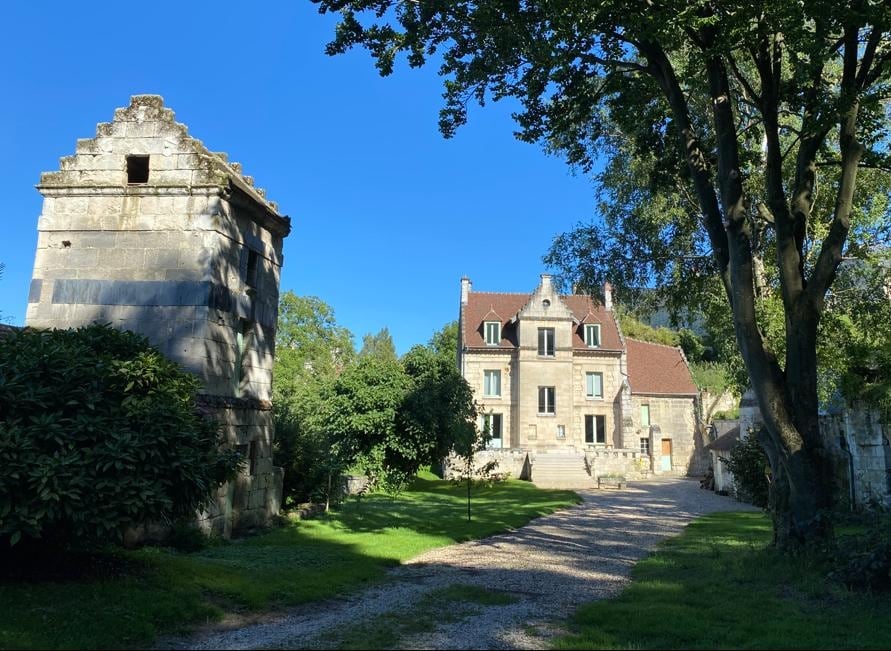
<point x="592" y="335"/>
<point x="493" y="333"/>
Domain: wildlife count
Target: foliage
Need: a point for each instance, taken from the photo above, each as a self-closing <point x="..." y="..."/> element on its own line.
<point x="636" y="329"/>
<point x="711" y="376"/>
<point x="731" y="414"/>
<point x="307" y="336"/>
<point x="311" y="350"/>
<point x="304" y="561"/>
<point x="438" y="412"/>
<point x="750" y="471"/>
<point x="444" y="342"/>
<point x="99" y="432"/>
<point x="721" y="585"/>
<point x="360" y="416"/>
<point x="467" y="469"/>
<point x="379" y="345"/>
<point x="858" y="358"/>
<point x="863" y="561"/>
<point x="372" y="413"/>
<point x="735" y="135"/>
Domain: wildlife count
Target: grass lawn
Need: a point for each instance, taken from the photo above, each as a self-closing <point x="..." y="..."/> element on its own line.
<point x="718" y="585"/>
<point x="163" y="591"/>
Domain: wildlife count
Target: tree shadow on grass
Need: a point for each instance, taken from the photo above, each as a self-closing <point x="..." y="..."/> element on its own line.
<point x="157" y="590"/>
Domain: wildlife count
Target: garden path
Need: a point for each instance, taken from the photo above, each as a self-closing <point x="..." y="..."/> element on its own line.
<point x="545" y="570"/>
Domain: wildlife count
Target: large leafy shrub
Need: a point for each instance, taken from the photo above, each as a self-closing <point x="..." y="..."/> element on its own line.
<point x="99" y="432"/>
<point x="750" y="469"/>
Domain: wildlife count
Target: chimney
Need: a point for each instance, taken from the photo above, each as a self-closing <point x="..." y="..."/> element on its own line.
<point x="466" y="288"/>
<point x="546" y="284"/>
<point x="607" y="296"/>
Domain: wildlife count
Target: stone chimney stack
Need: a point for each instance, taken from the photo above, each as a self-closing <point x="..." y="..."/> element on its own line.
<point x="607" y="296"/>
<point x="546" y="283"/>
<point x="466" y="288"/>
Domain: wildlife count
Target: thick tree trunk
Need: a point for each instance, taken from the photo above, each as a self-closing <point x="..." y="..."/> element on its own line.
<point x="800" y="519"/>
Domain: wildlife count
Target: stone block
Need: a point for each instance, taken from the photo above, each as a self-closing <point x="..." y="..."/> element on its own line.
<point x="171" y="177"/>
<point x="161" y="259"/>
<point x="86" y="146"/>
<point x="72" y="205"/>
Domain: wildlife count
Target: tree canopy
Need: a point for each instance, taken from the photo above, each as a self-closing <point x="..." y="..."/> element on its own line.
<point x="760" y="116"/>
<point x="379" y="345"/>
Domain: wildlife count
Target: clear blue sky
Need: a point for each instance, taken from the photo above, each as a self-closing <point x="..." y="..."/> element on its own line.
<point x="387" y="215"/>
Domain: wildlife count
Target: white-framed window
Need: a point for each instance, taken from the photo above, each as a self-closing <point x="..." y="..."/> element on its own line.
<point x="492" y="384"/>
<point x="592" y="335"/>
<point x="645" y="447"/>
<point x="493" y="333"/>
<point x="546" y="342"/>
<point x="644" y="415"/>
<point x="595" y="428"/>
<point x="561" y="431"/>
<point x="594" y="386"/>
<point x="547" y="398"/>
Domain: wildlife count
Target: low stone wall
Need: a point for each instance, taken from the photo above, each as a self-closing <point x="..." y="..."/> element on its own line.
<point x="516" y="462"/>
<point x="617" y="461"/>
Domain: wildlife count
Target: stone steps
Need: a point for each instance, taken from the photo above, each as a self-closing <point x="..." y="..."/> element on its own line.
<point x="561" y="471"/>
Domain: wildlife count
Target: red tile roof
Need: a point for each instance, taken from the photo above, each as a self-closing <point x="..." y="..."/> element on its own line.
<point x="482" y="306"/>
<point x="654" y="369"/>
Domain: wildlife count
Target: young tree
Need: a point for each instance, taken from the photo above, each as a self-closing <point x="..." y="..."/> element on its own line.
<point x="438" y="413"/>
<point x="359" y="415"/>
<point x="727" y="82"/>
<point x="311" y="351"/>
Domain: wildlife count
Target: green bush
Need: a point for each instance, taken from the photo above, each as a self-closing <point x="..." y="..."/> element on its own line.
<point x="305" y="454"/>
<point x="99" y="432"/>
<point x="750" y="468"/>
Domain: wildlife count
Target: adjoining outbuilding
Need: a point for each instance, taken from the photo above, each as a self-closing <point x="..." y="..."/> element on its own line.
<point x="146" y="229"/>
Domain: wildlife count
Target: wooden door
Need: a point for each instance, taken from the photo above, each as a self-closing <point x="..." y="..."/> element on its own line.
<point x="666" y="454"/>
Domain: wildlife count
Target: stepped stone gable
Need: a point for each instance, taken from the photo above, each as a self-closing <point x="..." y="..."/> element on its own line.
<point x="146" y="229"/>
<point x="581" y="407"/>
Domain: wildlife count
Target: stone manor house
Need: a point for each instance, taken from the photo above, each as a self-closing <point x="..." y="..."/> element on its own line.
<point x="567" y="398"/>
<point x="146" y="229"/>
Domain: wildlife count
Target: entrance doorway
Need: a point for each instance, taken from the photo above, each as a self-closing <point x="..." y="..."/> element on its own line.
<point x="666" y="455"/>
<point x="492" y="422"/>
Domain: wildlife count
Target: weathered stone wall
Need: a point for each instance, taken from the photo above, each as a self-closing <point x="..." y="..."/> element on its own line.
<point x="859" y="444"/>
<point x="672" y="419"/>
<point x="255" y="495"/>
<point x="715" y="403"/>
<point x="627" y="463"/>
<point x="513" y="461"/>
<point x="190" y="257"/>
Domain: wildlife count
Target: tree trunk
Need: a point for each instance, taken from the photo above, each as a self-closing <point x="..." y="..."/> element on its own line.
<point x="800" y="521"/>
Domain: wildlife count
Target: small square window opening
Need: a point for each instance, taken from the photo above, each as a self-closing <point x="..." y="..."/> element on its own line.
<point x="137" y="170"/>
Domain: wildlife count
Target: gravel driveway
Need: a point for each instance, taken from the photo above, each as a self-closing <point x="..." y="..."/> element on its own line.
<point x="548" y="568"/>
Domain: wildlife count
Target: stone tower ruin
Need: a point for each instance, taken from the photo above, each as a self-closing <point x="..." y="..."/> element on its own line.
<point x="147" y="230"/>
